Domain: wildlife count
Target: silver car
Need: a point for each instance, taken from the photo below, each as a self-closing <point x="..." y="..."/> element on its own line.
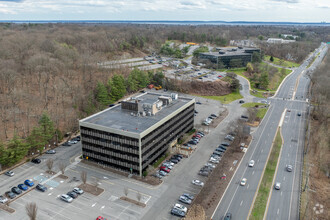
<point x="66" y="198"/>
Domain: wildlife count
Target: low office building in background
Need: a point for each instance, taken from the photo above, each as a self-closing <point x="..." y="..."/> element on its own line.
<point x="229" y="57"/>
<point x="135" y="133"/>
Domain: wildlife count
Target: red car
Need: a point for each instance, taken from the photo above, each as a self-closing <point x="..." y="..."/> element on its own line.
<point x="163" y="168"/>
<point x="196" y="135"/>
<point x="219" y="76"/>
<point x="100" y="218"/>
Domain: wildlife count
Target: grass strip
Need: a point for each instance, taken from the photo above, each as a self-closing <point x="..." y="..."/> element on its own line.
<point x="226" y="99"/>
<point x="260" y="203"/>
<point x="281" y="62"/>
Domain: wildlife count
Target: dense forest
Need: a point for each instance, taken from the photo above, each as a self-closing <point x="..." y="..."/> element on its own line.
<point x="52" y="68"/>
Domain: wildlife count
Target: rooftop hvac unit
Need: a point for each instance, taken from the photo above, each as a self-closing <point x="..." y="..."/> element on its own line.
<point x="149" y="113"/>
<point x="143" y="113"/>
<point x="138" y="114"/>
<point x="174" y="96"/>
<point x="132" y="113"/>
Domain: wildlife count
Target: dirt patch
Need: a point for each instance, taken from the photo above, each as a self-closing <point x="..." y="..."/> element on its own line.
<point x="94" y="190"/>
<point x="217" y="182"/>
<point x="133" y="201"/>
<point x="7" y="208"/>
<point x="61" y="176"/>
<point x="149" y="179"/>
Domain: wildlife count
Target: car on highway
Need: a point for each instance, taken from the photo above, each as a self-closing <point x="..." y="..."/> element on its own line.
<point x="42" y="188"/>
<point x="72" y="194"/>
<point x="289" y="168"/>
<point x="22" y="187"/>
<point x="36" y="160"/>
<point x="51" y="152"/>
<point x="243" y="182"/>
<point x="66" y="198"/>
<point x="180" y="207"/>
<point x="197" y="183"/>
<point x="189" y="196"/>
<point x="10" y="194"/>
<point x="277" y="185"/>
<point x="251" y="163"/>
<point x="3" y="199"/>
<point x="9" y="173"/>
<point x="29" y="183"/>
<point x="228" y="216"/>
<point x="185" y="200"/>
<point x="101" y="218"/>
<point x="299" y="114"/>
<point x="178" y="212"/>
<point x="78" y="191"/>
<point x="16" y="190"/>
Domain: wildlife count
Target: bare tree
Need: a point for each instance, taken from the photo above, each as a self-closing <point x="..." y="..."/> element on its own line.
<point x="62" y="165"/>
<point x="252" y="114"/>
<point x="196" y="212"/>
<point x="96" y="183"/>
<point x="126" y="191"/>
<point x="31" y="210"/>
<point x="83" y="176"/>
<point x="138" y="196"/>
<point x="50" y="163"/>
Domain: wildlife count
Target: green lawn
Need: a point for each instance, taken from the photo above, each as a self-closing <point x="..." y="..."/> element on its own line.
<point x="260" y="203"/>
<point x="226" y="99"/>
<point x="261" y="111"/>
<point x="281" y="62"/>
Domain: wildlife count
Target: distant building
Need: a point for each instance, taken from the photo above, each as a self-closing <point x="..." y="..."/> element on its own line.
<point x="229" y="56"/>
<point x="134" y="134"/>
<point x="279" y="41"/>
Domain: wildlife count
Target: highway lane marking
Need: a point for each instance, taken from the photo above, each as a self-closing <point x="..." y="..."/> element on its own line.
<point x="278" y="211"/>
<point x="252" y="172"/>
<point x="283" y="178"/>
<point x="241" y="203"/>
<point x="247" y="186"/>
<point x="93" y="204"/>
<point x="262" y="150"/>
<point x="281" y="193"/>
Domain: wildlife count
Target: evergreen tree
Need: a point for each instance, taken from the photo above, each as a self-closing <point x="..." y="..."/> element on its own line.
<point x="17" y="149"/>
<point x="271" y="59"/>
<point x="256" y="57"/>
<point x="118" y="85"/>
<point x="36" y="139"/>
<point x="131" y="83"/>
<point x="47" y="126"/>
<point x="102" y="94"/>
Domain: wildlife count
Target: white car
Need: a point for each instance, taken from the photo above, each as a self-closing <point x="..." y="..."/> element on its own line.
<point x="3" y="199"/>
<point x="210" y="165"/>
<point x="213" y="160"/>
<point x="243" y="182"/>
<point x="277" y="185"/>
<point x="251" y="163"/>
<point x="180" y="207"/>
<point x="78" y="190"/>
<point x="197" y="183"/>
<point x="66" y="198"/>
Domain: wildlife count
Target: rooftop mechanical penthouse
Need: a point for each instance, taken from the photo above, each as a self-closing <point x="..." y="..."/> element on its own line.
<point x="134" y="134"/>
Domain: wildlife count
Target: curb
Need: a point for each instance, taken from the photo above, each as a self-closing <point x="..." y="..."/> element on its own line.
<point x="279" y="87"/>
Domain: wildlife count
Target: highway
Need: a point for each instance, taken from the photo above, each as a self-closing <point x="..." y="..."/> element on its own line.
<point x="238" y="199"/>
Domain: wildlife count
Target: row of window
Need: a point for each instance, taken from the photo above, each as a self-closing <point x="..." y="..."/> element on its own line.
<point x="111" y="144"/>
<point x="149" y="138"/>
<point x="112" y="159"/>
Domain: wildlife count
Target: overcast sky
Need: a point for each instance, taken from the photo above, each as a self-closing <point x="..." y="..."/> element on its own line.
<point x="223" y="10"/>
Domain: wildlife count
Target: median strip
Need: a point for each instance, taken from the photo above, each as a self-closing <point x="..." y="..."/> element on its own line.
<point x="259" y="206"/>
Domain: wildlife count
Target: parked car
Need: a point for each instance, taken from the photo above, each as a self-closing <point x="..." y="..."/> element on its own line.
<point x="178" y="212"/>
<point x="200" y="132"/>
<point x="214" y="160"/>
<point x="28" y="183"/>
<point x="251" y="163"/>
<point x="243" y="182"/>
<point x="73" y="141"/>
<point x="174" y="160"/>
<point x="277" y="185"/>
<point x="214" y="115"/>
<point x="226" y="144"/>
<point x="163" y="168"/>
<point x="222" y="147"/>
<point x="229" y="138"/>
<point x="241" y="101"/>
<point x="210" y="165"/>
<point x="3" y="199"/>
<point x="51" y="152"/>
<point x="185" y="200"/>
<point x="198" y="103"/>
<point x="10" y="194"/>
<point x="22" y="187"/>
<point x="187" y="145"/>
<point x="180" y="207"/>
<point x="66" y="198"/>
<point x="42" y="188"/>
<point x="67" y="144"/>
<point x="218" y="152"/>
<point x="72" y="194"/>
<point x="16" y="190"/>
<point x="162" y="173"/>
<point x="289" y="168"/>
<point x="10" y="173"/>
<point x="101" y="218"/>
<point x="36" y="160"/>
<point x="189" y="196"/>
<point x="197" y="183"/>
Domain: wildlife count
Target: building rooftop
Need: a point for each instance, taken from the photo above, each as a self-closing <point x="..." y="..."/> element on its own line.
<point x="231" y="51"/>
<point x="227" y="53"/>
<point x="125" y="120"/>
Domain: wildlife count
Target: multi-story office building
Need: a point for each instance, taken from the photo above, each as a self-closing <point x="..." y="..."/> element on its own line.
<point x="135" y="133"/>
<point x="229" y="57"/>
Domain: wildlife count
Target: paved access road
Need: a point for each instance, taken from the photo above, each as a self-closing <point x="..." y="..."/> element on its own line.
<point x="238" y="199"/>
<point x="284" y="204"/>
